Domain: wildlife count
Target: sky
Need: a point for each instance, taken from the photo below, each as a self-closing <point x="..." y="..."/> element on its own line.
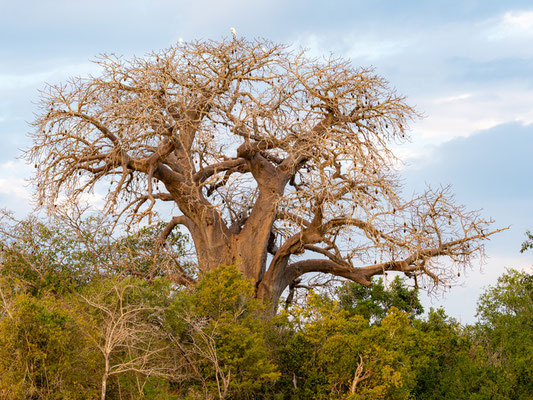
<point x="467" y="67"/>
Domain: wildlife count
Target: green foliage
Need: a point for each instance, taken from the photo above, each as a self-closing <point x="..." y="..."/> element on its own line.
<point x="41" y="258"/>
<point x="226" y="324"/>
<point x="121" y="319"/>
<point x="76" y="308"/>
<point x="134" y="253"/>
<point x="62" y="256"/>
<point x="491" y="360"/>
<point x="42" y="354"/>
<point x="374" y="302"/>
<point x="328" y="349"/>
<point x="506" y="330"/>
<point x="224" y="293"/>
<point x="444" y="366"/>
<point x="528" y="243"/>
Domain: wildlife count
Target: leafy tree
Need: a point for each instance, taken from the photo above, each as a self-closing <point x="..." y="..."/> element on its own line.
<point x="263" y="150"/>
<point x="331" y="354"/>
<point x="222" y="327"/>
<point x="42" y="354"/>
<point x="505" y="311"/>
<point x="490" y="360"/>
<point x="66" y="253"/>
<point x="41" y="257"/>
<point x="444" y="360"/>
<point x="103" y="341"/>
<point x="374" y="302"/>
<point x="528" y="243"/>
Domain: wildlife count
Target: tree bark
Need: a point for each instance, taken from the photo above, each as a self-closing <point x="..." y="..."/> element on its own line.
<point x="173" y="118"/>
<point x="104" y="379"/>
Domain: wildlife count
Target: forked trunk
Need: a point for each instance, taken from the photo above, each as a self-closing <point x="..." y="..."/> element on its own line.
<point x="245" y="243"/>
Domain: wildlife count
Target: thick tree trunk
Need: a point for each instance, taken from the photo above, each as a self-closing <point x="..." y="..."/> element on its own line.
<point x="245" y="246"/>
<point x="212" y="248"/>
<point x="246" y="249"/>
<point x="249" y="246"/>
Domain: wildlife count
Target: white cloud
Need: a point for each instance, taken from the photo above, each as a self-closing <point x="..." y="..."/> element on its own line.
<point x="522" y="21"/>
<point x="14" y="187"/>
<point x="94" y="200"/>
<point x="15" y="81"/>
<point x="373" y="50"/>
<point x="453" y="98"/>
<point x="351" y="45"/>
<point x="464" y="114"/>
<point x="14" y="191"/>
<point x="513" y="24"/>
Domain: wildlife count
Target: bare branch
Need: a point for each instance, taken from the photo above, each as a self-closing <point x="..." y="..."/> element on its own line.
<point x="262" y="152"/>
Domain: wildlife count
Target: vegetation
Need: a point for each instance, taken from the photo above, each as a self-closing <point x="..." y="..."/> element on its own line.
<point x="70" y="331"/>
<point x="267" y="155"/>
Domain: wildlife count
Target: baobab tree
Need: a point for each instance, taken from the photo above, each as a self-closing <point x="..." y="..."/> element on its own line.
<point x="277" y="162"/>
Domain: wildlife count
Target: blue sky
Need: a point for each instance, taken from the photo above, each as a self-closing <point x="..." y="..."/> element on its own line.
<point x="466" y="65"/>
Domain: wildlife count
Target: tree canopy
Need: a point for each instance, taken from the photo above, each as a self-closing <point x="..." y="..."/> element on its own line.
<point x="76" y="324"/>
<point x="277" y="162"/>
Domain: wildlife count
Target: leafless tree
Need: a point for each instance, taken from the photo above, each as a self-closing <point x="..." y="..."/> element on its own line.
<point x="203" y="346"/>
<point x="127" y="334"/>
<point x="269" y="155"/>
